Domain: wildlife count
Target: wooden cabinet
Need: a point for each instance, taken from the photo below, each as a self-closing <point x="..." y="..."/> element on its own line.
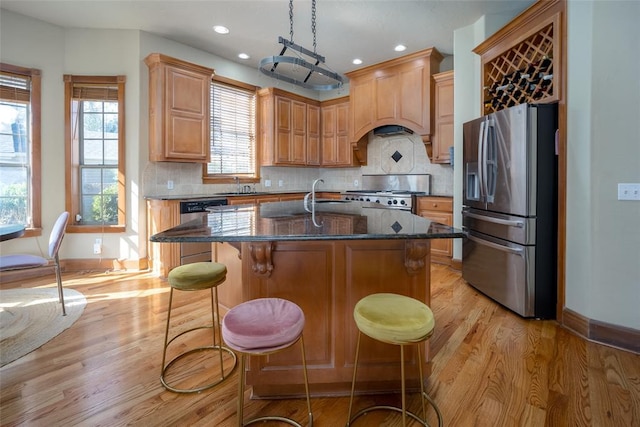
<point x="522" y="63"/>
<point x="179" y="94"/>
<point x="162" y="215"/>
<point x="438" y="209"/>
<point x="443" y="122"/>
<point x="396" y="92"/>
<point x="326" y="279"/>
<point x="336" y="147"/>
<point x="288" y="128"/>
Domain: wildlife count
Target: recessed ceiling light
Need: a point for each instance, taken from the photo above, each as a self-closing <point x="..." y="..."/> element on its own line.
<point x="400" y="48"/>
<point x="357" y="61"/>
<point x="220" y="29"/>
<point x="243" y="56"/>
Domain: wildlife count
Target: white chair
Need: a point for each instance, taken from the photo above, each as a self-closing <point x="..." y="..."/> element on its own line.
<point x="24" y="261"/>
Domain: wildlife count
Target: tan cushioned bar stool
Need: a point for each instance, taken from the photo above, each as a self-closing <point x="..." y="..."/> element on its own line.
<point x="265" y="326"/>
<point x="399" y="320"/>
<point x="196" y="277"/>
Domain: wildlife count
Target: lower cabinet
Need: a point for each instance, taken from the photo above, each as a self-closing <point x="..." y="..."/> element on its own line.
<point x="438" y="209"/>
<point x="326" y="279"/>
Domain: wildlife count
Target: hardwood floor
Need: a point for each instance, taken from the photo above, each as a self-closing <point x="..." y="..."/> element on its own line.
<point x="490" y="367"/>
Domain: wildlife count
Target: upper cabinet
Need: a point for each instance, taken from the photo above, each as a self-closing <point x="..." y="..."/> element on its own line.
<point x="288" y="128"/>
<point x="396" y="92"/>
<point x="443" y="123"/>
<point x="179" y="94"/>
<point x="522" y="63"/>
<point x="336" y="147"/>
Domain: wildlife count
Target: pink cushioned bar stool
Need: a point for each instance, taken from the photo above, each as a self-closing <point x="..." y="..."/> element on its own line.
<point x="197" y="276"/>
<point x="398" y="320"/>
<point x="259" y="327"/>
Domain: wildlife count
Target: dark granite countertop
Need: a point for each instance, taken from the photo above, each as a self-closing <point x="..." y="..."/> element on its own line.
<point x="280" y="221"/>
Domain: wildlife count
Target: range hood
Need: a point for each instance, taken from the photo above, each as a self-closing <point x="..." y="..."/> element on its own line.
<point x="391" y="130"/>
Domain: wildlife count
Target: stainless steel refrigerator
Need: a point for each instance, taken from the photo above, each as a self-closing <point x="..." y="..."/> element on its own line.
<point x="510" y="208"/>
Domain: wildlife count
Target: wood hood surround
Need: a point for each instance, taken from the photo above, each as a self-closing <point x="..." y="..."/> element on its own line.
<point x="395" y="92"/>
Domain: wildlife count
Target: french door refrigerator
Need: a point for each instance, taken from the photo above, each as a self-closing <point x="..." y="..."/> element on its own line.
<point x="510" y="208"/>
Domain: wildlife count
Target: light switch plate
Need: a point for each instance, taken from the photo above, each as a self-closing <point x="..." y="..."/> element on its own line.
<point x="628" y="191"/>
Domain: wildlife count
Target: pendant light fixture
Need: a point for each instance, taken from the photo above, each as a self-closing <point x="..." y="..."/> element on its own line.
<point x="296" y="69"/>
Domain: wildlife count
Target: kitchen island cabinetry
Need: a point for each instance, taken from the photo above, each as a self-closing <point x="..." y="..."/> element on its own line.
<point x="396" y="92"/>
<point x="324" y="261"/>
<point x="288" y="128"/>
<point x="443" y="123"/>
<point x="179" y="94"/>
<point x="438" y="209"/>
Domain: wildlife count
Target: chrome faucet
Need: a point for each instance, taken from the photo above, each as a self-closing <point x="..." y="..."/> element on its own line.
<point x="312" y="194"/>
<point x="313" y="189"/>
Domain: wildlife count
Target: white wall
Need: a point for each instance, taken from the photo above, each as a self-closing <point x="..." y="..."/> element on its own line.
<point x="467" y="102"/>
<point x="603" y="149"/>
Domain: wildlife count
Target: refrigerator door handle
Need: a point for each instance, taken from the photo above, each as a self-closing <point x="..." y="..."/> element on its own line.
<point x="481" y="137"/>
<point x="518" y="224"/>
<point x="515" y="251"/>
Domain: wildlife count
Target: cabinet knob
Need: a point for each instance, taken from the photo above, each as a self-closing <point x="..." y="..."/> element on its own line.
<point x="435" y="205"/>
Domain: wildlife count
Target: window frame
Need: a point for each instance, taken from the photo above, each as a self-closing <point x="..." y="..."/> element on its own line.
<point x="236" y="177"/>
<point x="35" y="228"/>
<point x="72" y="155"/>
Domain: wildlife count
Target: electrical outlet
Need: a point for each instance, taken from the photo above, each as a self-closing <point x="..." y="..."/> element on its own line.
<point x="267" y="183"/>
<point x="170" y="185"/>
<point x="355" y="183"/>
<point x="628" y="191"/>
<point x="97" y="246"/>
<point x="280" y="183"/>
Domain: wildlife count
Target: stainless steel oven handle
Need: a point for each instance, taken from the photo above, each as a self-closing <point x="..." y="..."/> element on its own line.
<point x="510" y="223"/>
<point x="515" y="251"/>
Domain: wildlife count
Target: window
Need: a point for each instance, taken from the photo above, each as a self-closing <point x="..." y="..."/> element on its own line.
<point x="20" y="147"/>
<point x="233" y="135"/>
<point x="94" y="131"/>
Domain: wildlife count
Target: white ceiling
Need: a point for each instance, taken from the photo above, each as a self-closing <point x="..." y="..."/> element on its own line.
<point x="345" y="29"/>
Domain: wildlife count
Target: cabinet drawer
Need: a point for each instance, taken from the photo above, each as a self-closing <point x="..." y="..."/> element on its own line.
<point x="444" y="204"/>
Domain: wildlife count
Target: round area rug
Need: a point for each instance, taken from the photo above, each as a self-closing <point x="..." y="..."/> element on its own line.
<point x="31" y="317"/>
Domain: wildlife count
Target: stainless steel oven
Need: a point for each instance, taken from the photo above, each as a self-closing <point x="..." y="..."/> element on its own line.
<point x="391" y="191"/>
<point x="190" y="210"/>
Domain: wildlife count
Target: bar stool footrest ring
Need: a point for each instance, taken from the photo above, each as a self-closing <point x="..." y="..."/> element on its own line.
<point x="192" y="351"/>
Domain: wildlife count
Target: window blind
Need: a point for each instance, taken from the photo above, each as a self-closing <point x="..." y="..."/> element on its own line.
<point x="14" y="87"/>
<point x="232" y="130"/>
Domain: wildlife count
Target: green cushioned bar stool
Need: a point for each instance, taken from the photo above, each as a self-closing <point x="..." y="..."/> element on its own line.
<point x="197" y="276"/>
<point x="399" y="320"/>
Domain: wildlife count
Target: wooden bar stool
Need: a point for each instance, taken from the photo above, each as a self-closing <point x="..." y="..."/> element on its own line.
<point x="196" y="277"/>
<point x="260" y="327"/>
<point x="399" y="320"/>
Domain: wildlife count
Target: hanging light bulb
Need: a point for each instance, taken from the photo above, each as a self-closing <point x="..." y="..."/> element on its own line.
<point x="296" y="69"/>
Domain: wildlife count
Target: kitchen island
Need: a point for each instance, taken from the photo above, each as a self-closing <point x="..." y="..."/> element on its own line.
<point x="324" y="259"/>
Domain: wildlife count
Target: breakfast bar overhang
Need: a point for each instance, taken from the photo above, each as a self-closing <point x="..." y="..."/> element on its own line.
<point x="325" y="258"/>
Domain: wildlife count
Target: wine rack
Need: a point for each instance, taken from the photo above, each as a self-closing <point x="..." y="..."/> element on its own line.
<point x="522" y="74"/>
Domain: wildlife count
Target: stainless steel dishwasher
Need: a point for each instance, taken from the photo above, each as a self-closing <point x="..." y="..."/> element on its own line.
<point x="190" y="210"/>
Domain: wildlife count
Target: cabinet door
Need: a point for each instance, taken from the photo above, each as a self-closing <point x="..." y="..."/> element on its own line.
<point x="386" y="104"/>
<point x="313" y="135"/>
<point x="329" y="154"/>
<point x="443" y="135"/>
<point x="440" y="247"/>
<point x="179" y="94"/>
<point x="284" y="131"/>
<point x="299" y="127"/>
<point x="343" y="145"/>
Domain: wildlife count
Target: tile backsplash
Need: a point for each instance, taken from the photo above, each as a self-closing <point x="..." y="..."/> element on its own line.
<point x="386" y="155"/>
